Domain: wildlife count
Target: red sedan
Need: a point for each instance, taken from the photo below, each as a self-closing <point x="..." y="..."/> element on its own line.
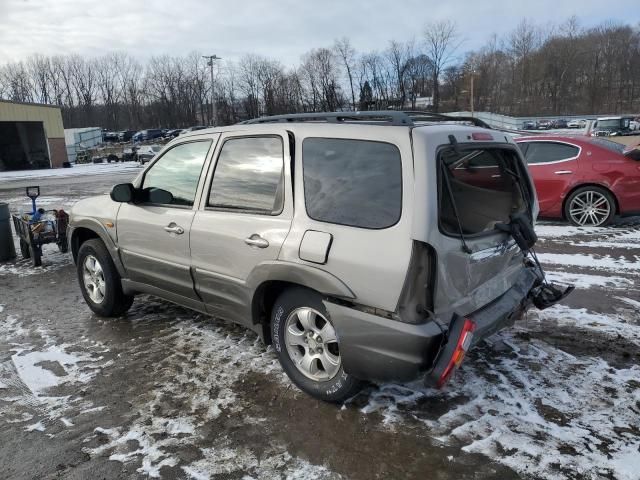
<point x="585" y="180"/>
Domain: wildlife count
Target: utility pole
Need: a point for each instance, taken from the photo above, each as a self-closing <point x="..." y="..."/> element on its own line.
<point x="471" y="93"/>
<point x="214" y="112"/>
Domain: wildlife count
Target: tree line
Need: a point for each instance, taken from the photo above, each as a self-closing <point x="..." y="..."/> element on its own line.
<point x="534" y="70"/>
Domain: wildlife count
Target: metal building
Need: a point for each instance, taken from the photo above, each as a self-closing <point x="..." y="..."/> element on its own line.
<point x="31" y="136"/>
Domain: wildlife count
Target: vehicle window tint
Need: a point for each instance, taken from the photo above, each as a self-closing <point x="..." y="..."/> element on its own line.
<point x="178" y="172"/>
<point x="543" y="152"/>
<point x="352" y="182"/>
<point x="249" y="175"/>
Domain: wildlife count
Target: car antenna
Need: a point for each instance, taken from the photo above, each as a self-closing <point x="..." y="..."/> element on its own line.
<point x="445" y="174"/>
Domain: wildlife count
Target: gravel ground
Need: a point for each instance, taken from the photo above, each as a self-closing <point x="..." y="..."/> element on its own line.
<point x="165" y="392"/>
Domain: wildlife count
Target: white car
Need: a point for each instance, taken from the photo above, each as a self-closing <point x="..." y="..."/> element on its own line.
<point x="577" y="123"/>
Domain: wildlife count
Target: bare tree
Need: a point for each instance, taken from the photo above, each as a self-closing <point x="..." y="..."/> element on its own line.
<point x="441" y="42"/>
<point x="347" y="54"/>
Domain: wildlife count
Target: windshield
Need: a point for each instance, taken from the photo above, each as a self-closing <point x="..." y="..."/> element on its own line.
<point x="615" y="123"/>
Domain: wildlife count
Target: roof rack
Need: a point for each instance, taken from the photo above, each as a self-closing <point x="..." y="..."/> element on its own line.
<point x="375" y="117"/>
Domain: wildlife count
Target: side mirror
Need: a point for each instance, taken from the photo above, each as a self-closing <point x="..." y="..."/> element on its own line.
<point x="160" y="196"/>
<point x="123" y="193"/>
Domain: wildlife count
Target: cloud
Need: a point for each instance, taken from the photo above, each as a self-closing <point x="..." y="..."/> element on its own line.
<point x="282" y="29"/>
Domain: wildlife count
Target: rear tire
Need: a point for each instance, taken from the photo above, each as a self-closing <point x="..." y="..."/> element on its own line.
<point x="590" y="206"/>
<point x="314" y="364"/>
<point x="100" y="281"/>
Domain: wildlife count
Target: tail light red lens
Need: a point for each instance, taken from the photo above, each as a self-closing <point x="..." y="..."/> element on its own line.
<point x="462" y="346"/>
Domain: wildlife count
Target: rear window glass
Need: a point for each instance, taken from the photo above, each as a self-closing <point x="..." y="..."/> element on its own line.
<point x="545" y="152"/>
<point x="482" y="186"/>
<point x="352" y="182"/>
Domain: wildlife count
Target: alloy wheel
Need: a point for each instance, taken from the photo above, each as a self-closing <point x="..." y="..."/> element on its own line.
<point x="590" y="208"/>
<point x="93" y="278"/>
<point x="312" y="344"/>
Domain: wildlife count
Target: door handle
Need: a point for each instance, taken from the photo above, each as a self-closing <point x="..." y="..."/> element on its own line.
<point x="256" y="240"/>
<point x="563" y="172"/>
<point x="173" y="228"/>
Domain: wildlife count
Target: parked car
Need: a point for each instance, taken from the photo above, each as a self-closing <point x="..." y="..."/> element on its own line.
<point x="545" y="124"/>
<point x="128" y="153"/>
<point x="193" y="129"/>
<point x="125" y="135"/>
<point x="559" y="123"/>
<point x="360" y="249"/>
<point x="172" y="133"/>
<point x="145" y="153"/>
<point x="530" y="125"/>
<point x="145" y="135"/>
<point x="577" y="123"/>
<point x="585" y="180"/>
<point x="110" y="136"/>
<point x="611" y="126"/>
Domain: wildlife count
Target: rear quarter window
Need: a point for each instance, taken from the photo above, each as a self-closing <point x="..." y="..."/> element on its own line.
<point x="352" y="182"/>
<point x="545" y="152"/>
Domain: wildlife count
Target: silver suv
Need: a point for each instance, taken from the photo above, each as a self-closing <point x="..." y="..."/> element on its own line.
<point x="363" y="246"/>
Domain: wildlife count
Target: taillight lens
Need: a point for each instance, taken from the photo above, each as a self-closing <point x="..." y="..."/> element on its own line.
<point x="462" y="346"/>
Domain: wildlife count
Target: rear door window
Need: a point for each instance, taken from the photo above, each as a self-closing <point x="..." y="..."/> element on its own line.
<point x="249" y="176"/>
<point x="352" y="182"/>
<point x="546" y="152"/>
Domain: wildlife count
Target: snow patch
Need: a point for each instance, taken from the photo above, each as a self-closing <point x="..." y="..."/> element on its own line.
<point x="36" y="427"/>
<point x="75" y="171"/>
<point x="530" y="406"/>
<point x="38" y="379"/>
<point x="581" y="280"/>
<point x="589" y="261"/>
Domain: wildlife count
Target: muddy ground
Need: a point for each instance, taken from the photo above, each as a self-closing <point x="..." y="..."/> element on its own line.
<point x="165" y="392"/>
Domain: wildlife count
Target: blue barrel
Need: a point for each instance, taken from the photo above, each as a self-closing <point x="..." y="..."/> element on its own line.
<point x="7" y="250"/>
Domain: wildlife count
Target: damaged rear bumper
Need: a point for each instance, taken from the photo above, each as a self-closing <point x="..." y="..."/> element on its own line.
<point x="377" y="348"/>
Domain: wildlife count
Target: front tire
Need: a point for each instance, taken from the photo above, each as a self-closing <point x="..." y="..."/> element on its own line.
<point x="99" y="280"/>
<point x="308" y="348"/>
<point x="590" y="206"/>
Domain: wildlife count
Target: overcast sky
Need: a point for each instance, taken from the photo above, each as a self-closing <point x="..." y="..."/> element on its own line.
<point x="282" y="29"/>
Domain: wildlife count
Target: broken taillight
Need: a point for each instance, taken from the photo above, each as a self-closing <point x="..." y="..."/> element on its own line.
<point x="462" y="346"/>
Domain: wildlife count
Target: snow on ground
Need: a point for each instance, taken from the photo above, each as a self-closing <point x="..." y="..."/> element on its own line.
<point x="545" y="231"/>
<point x="40" y="374"/>
<point x="605" y="262"/>
<point x="581" y="280"/>
<point x="533" y="407"/>
<point x="75" y="171"/>
<point x="52" y="260"/>
<point x="187" y="378"/>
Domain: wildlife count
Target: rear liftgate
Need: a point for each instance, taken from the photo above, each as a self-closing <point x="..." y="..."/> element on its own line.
<point x="458" y="338"/>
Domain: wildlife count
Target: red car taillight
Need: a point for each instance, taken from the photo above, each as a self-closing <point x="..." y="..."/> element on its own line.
<point x="462" y="346"/>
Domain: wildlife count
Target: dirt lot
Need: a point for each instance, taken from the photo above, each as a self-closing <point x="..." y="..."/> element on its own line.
<point x="165" y="392"/>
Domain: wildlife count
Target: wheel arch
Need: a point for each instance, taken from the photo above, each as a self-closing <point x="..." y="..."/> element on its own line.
<point x="271" y="279"/>
<point x="83" y="231"/>
<point x="589" y="184"/>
